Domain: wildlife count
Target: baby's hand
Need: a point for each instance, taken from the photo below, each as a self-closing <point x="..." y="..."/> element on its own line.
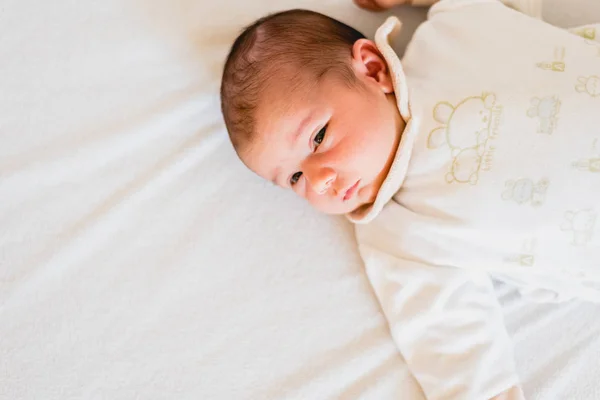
<point x="380" y="5"/>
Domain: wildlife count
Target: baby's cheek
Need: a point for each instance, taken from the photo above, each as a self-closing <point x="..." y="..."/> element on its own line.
<point x="301" y="189"/>
<point x="366" y="195"/>
<point x="320" y="205"/>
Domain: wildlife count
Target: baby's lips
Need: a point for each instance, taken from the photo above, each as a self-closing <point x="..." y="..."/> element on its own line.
<point x="351" y="191"/>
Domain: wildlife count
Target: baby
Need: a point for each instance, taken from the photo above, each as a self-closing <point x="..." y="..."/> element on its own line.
<point x="476" y="156"/>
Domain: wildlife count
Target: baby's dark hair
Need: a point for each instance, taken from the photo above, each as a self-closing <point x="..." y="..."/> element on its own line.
<point x="299" y="39"/>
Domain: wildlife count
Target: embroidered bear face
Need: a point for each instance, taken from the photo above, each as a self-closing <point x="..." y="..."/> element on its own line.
<point x="466" y="125"/>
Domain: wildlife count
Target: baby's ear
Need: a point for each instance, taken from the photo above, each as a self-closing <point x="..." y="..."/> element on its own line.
<point x="367" y="61"/>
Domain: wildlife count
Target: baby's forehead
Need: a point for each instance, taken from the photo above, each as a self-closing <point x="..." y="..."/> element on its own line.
<point x="289" y="96"/>
<point x="284" y="94"/>
<point x="280" y="112"/>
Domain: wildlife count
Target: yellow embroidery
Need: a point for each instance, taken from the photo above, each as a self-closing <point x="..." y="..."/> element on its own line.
<point x="526" y="257"/>
<point x="587" y="33"/>
<point x="588" y="164"/>
<point x="557" y="64"/>
<point x="589" y="85"/>
<point x="580" y="225"/>
<point x="546" y="109"/>
<point x="524" y="191"/>
<point x="466" y="130"/>
<point x="591" y="164"/>
<point x="465" y="167"/>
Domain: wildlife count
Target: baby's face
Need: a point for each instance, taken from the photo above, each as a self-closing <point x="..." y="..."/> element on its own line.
<point x="330" y="143"/>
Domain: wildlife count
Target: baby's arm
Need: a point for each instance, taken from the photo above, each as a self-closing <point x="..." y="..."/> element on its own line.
<point x="446" y="322"/>
<point x="379" y="5"/>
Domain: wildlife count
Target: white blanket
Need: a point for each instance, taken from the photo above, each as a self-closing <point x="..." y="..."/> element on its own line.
<point x="138" y="258"/>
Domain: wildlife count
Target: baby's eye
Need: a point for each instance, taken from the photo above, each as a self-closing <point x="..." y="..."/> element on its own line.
<point x="319" y="137"/>
<point x="295" y="177"/>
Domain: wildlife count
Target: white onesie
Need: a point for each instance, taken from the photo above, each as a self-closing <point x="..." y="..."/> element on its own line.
<point x="497" y="173"/>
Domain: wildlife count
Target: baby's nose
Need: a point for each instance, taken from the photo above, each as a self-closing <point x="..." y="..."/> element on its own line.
<point x="322" y="180"/>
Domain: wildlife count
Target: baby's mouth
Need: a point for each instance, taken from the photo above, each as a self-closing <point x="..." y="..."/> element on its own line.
<point x="351" y="191"/>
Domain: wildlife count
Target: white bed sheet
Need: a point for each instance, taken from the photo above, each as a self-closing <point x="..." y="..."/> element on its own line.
<point x="139" y="259"/>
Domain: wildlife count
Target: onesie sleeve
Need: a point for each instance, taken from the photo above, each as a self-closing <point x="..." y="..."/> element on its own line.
<point x="447" y="324"/>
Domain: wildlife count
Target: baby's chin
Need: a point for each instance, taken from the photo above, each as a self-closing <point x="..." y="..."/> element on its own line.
<point x="342" y="211"/>
<point x="365" y="197"/>
<point x="344" y="208"/>
<point x="340" y="208"/>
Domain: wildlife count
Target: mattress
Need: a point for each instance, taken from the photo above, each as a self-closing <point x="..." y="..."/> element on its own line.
<point x="138" y="257"/>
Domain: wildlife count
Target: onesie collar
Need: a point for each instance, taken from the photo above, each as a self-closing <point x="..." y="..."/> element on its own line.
<point x="399" y="167"/>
